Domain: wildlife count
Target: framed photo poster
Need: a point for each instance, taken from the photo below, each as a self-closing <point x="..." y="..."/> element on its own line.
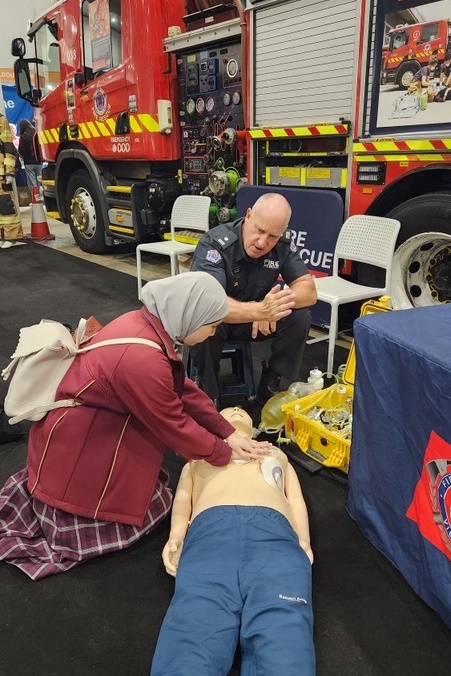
<point x="411" y="66"/>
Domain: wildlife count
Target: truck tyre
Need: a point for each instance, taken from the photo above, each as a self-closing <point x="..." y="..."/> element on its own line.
<point x="421" y="273"/>
<point x="85" y="215"/>
<point x="406" y="73"/>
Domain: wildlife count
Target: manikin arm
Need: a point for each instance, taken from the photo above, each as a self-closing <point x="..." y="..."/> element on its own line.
<point x="180" y="518"/>
<point x="298" y="509"/>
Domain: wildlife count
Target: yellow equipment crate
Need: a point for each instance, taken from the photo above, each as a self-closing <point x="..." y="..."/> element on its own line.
<point x="324" y="445"/>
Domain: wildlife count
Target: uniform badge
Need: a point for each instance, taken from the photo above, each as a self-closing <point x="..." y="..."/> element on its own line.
<point x="272" y="265"/>
<point x="213" y="256"/>
<point x="293" y="246"/>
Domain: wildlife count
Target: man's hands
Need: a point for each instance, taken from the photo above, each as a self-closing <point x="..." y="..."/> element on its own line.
<point x="247" y="449"/>
<point x="264" y="327"/>
<point x="277" y="303"/>
<point x="171" y="555"/>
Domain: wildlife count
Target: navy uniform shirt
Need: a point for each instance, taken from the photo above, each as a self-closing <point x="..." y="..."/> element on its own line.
<point x="220" y="252"/>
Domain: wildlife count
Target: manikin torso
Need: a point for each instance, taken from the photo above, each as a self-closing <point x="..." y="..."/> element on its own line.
<point x="258" y="483"/>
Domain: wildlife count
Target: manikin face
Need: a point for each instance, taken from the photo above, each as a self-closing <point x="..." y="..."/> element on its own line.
<point x="240" y="420"/>
<point x="262" y="228"/>
<point x="201" y="334"/>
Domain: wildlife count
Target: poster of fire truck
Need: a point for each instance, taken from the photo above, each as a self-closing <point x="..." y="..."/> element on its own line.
<point x="412" y="66"/>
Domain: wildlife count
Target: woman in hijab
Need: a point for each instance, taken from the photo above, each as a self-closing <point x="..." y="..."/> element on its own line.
<point x="94" y="481"/>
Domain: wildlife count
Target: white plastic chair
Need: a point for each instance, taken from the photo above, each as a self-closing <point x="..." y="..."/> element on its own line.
<point x="364" y="239"/>
<point x="190" y="212"/>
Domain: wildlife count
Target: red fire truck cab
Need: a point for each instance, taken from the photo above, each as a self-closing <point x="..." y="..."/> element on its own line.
<point x="124" y="125"/>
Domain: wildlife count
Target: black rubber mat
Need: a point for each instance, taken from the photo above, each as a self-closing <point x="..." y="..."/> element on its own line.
<point x="103" y="618"/>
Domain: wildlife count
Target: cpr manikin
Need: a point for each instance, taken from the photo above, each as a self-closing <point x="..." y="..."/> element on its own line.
<point x="245" y="573"/>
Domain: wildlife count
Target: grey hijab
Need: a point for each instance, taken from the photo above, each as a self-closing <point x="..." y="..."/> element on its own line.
<point x="185" y="302"/>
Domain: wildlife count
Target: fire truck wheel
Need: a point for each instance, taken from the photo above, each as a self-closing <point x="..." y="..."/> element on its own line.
<point x="406" y="73"/>
<point x="85" y="215"/>
<point x="421" y="273"/>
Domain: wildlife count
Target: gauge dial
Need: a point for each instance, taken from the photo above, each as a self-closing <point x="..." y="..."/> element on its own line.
<point x="209" y="104"/>
<point x="236" y="98"/>
<point x="232" y="68"/>
<point x="190" y="106"/>
<point x="294" y="145"/>
<point x="200" y="105"/>
<point x="227" y="99"/>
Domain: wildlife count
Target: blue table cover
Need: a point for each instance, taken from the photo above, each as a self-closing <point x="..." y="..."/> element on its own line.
<point x="400" y="466"/>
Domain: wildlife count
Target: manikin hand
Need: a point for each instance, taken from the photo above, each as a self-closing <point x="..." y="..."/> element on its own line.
<point x="307" y="549"/>
<point x="277" y="303"/>
<point x="9" y="179"/>
<point x="171" y="555"/>
<point x="247" y="449"/>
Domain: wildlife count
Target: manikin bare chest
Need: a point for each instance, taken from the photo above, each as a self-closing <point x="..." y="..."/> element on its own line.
<point x="256" y="483"/>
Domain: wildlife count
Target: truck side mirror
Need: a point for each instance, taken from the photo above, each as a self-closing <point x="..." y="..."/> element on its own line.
<point x="18" y="47"/>
<point x="23" y="82"/>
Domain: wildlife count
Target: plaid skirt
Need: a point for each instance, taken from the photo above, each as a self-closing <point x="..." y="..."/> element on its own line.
<point x="43" y="540"/>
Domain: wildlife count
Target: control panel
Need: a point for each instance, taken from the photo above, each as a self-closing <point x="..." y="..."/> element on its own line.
<point x="213" y="137"/>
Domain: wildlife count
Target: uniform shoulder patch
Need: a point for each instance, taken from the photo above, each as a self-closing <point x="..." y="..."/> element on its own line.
<point x="213" y="256"/>
<point x="225" y="240"/>
<point x="288" y="237"/>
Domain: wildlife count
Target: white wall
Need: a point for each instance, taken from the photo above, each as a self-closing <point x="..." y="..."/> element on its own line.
<point x="16" y="14"/>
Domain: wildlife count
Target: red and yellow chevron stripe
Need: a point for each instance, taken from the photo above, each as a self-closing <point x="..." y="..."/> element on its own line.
<point x="390" y="146"/>
<point x="139" y="123"/>
<point x="401" y="158"/>
<point x="288" y="132"/>
<point x="418" y="55"/>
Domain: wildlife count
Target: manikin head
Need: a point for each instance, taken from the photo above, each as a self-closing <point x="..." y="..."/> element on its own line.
<point x="264" y="224"/>
<point x="240" y="420"/>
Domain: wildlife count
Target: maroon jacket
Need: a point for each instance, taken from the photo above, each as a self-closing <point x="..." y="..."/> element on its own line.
<point x="102" y="459"/>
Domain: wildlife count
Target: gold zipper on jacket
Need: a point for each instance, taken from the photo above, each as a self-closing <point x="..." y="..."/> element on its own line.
<point x="91" y="382"/>
<point x="105" y="488"/>
<point x="38" y="473"/>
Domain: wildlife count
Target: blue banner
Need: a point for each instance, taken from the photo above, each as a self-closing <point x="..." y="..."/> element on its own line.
<point x="16" y="109"/>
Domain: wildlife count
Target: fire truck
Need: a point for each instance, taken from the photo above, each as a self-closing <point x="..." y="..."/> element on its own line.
<point x="123" y="126"/>
<point x="161" y="97"/>
<point x="411" y="46"/>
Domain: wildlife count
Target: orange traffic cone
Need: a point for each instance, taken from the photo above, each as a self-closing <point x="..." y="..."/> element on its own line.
<point x="39" y="227"/>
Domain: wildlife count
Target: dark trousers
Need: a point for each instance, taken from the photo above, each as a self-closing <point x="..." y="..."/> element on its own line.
<point x="242" y="578"/>
<point x="287" y="349"/>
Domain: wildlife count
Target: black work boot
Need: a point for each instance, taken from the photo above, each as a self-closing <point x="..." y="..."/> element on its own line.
<point x="268" y="385"/>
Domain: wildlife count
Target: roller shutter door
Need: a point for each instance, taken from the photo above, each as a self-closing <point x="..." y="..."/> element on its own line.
<point x="304" y="53"/>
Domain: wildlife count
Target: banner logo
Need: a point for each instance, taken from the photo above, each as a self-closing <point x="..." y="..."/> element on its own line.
<point x="431" y="504"/>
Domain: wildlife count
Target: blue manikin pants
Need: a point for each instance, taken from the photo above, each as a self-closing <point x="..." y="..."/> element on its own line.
<point x="242" y="578"/>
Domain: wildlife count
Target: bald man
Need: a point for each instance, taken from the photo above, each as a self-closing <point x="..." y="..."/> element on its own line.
<point x="254" y="258"/>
